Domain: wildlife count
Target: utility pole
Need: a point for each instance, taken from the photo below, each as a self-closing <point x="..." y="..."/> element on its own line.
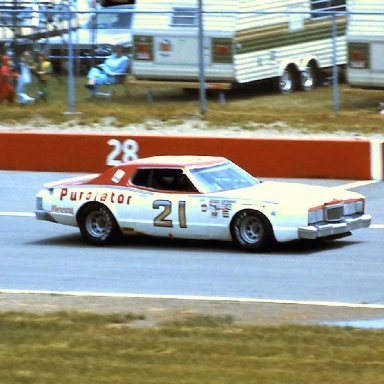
<point x="202" y="93"/>
<point x="71" y="78"/>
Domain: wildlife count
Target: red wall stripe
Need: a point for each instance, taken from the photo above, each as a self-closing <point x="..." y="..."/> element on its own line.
<point x="299" y="158"/>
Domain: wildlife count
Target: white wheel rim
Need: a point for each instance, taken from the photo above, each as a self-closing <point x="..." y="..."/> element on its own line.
<point x="286" y="82"/>
<point x="251" y="230"/>
<point x="308" y="79"/>
<point x="98" y="224"/>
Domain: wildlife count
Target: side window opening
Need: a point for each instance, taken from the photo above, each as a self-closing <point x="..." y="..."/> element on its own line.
<point x="141" y="178"/>
<point x="166" y="179"/>
<point x="163" y="180"/>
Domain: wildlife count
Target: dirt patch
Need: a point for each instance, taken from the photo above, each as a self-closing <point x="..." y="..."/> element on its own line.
<point x="157" y="311"/>
<point x="191" y="126"/>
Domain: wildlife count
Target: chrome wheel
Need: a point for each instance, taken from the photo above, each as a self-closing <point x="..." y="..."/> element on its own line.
<point x="97" y="224"/>
<point x="287" y="81"/>
<point x="308" y="78"/>
<point x="251" y="230"/>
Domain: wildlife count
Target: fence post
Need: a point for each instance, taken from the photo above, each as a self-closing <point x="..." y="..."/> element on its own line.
<point x="71" y="78"/>
<point x="335" y="77"/>
<point x="202" y="93"/>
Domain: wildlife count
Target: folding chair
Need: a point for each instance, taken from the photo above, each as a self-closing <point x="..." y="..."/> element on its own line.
<point x="118" y="79"/>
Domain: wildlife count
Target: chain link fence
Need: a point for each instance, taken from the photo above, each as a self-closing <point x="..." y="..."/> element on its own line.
<point x="192" y="52"/>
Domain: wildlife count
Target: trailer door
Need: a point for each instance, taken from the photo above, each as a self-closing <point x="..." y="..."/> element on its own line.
<point x="377" y="57"/>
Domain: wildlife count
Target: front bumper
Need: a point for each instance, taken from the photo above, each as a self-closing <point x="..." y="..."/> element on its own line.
<point x="316" y="231"/>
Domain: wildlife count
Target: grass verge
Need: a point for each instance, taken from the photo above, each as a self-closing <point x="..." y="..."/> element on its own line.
<point x="88" y="348"/>
<point x="249" y="108"/>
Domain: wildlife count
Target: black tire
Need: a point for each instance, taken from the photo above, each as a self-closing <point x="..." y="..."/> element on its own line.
<point x="287" y="81"/>
<point x="309" y="78"/>
<point x="97" y="225"/>
<point x="251" y="231"/>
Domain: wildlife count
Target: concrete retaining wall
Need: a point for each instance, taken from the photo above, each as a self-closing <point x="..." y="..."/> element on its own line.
<point x="298" y="158"/>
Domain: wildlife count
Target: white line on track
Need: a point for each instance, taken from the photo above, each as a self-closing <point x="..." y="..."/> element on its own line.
<point x="357" y="184"/>
<point x="377" y="226"/>
<point x="192" y="298"/>
<point x="18" y="214"/>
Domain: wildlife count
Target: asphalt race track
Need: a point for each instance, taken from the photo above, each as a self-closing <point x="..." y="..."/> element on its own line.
<point x="38" y="255"/>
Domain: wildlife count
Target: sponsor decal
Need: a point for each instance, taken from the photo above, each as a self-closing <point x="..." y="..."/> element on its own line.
<point x="111" y="197"/>
<point x="215" y="207"/>
<point x="57" y="209"/>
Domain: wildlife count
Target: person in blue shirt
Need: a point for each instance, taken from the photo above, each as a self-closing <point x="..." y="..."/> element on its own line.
<point x="115" y="64"/>
<point x="24" y="68"/>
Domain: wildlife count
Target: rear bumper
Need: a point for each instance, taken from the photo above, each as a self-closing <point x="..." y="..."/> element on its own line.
<point x="44" y="215"/>
<point x="330" y="229"/>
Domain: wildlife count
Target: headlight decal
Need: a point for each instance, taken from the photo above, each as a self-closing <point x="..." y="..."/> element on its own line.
<point x="336" y="210"/>
<point x="315" y="215"/>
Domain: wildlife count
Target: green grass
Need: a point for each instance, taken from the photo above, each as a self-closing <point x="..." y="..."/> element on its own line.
<point x="251" y="108"/>
<point x="87" y="348"/>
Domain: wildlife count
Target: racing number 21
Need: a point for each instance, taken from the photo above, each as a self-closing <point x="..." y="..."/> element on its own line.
<point x="161" y="219"/>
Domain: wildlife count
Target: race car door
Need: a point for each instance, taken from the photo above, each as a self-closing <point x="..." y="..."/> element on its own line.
<point x="167" y="205"/>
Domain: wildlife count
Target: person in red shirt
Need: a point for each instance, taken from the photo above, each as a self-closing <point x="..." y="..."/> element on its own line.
<point x="7" y="91"/>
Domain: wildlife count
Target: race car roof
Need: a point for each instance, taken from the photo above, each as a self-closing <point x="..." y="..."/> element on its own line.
<point x="177" y="161"/>
<point x="121" y="173"/>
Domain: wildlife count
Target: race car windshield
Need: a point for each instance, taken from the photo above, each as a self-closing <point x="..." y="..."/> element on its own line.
<point x="223" y="177"/>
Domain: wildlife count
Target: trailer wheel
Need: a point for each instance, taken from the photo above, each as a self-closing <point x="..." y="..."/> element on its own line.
<point x="287" y="81"/>
<point x="309" y="77"/>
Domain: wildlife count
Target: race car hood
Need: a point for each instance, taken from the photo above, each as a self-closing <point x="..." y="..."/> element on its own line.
<point x="293" y="193"/>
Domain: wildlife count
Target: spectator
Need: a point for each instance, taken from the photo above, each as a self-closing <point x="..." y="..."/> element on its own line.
<point x="24" y="68"/>
<point x="43" y="70"/>
<point x="115" y="64"/>
<point x="7" y="91"/>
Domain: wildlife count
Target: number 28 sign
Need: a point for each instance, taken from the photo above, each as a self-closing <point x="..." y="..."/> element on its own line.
<point x="125" y="150"/>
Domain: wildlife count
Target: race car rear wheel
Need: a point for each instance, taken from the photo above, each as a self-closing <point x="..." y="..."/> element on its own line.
<point x="251" y="230"/>
<point x="97" y="225"/>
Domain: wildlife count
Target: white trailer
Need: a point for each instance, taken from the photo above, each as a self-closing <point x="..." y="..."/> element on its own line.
<point x="244" y="41"/>
<point x="365" y="41"/>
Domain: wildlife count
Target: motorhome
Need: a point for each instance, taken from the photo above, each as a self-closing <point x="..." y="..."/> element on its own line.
<point x="365" y="41"/>
<point x="243" y="41"/>
<point x="95" y="36"/>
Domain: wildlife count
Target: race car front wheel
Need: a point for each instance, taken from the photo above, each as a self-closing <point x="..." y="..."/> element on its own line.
<point x="251" y="230"/>
<point x="97" y="225"/>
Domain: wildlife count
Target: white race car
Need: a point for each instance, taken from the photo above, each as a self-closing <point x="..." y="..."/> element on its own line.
<point x="198" y="197"/>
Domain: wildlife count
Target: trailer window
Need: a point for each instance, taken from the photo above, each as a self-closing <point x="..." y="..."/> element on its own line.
<point x="109" y="20"/>
<point x="324" y="6"/>
<point x="184" y="17"/>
